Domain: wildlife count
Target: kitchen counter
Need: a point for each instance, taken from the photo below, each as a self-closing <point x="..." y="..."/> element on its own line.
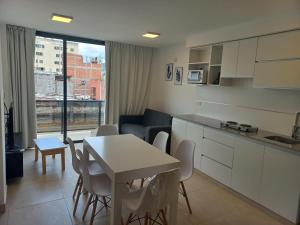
<point x="256" y="136"/>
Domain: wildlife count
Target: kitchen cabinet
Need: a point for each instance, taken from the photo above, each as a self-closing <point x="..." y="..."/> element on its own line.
<point x="278" y="61"/>
<point x="178" y="133"/>
<point x="267" y="175"/>
<point x="277" y="74"/>
<point x="229" y="59"/>
<point x="218" y="152"/>
<point x="217" y="156"/>
<point x="247" y="168"/>
<point x="238" y="58"/>
<point x="280" y="186"/>
<point x="279" y="46"/>
<point x="216" y="170"/>
<point x="195" y="133"/>
<point x="246" y="58"/>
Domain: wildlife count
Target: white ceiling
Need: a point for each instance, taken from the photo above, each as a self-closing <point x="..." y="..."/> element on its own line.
<point x="126" y="20"/>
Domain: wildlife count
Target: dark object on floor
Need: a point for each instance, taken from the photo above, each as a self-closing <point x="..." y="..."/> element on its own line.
<point x="14" y="164"/>
<point x="146" y="126"/>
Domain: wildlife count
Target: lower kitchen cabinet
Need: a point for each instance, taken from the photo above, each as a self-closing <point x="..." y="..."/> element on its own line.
<point x="247" y="168"/>
<point x="178" y="133"/>
<point x="280" y="188"/>
<point x="195" y="133"/>
<point x="216" y="170"/>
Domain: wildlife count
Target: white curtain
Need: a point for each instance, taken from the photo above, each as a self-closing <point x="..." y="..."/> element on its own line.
<point x="21" y="45"/>
<point x="128" y="79"/>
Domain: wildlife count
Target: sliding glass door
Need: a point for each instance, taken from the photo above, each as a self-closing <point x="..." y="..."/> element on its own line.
<point x="86" y="88"/>
<point x="69" y="85"/>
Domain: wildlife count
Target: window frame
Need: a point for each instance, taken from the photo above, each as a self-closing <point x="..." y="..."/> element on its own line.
<point x="65" y="39"/>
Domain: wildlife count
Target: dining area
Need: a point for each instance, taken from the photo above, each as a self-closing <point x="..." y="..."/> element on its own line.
<point x="131" y="179"/>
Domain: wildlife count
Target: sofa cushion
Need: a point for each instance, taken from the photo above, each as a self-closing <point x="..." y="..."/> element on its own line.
<point x="136" y="129"/>
<point x="156" y="118"/>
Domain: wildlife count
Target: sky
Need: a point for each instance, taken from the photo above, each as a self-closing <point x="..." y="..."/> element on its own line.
<point x="91" y="50"/>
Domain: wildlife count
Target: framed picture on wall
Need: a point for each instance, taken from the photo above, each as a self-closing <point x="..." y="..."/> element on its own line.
<point x="178" y="75"/>
<point x="169" y="72"/>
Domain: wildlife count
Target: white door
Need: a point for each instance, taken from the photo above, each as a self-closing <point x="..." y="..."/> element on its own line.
<point x="229" y="59"/>
<point x="247" y="168"/>
<point x="246" y="58"/>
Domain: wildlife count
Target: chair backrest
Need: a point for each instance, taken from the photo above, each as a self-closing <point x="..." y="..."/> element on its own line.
<point x="185" y="153"/>
<point x="85" y="172"/>
<point x="161" y="140"/>
<point x="75" y="160"/>
<point x="160" y="192"/>
<point x="106" y="130"/>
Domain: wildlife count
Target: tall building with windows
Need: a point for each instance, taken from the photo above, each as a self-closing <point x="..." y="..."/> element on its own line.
<point x="84" y="74"/>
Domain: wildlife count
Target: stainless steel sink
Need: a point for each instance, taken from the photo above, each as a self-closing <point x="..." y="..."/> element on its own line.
<point x="284" y="140"/>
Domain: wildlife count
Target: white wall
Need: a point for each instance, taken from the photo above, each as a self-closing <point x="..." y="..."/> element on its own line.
<point x="272" y="110"/>
<point x="2" y="150"/>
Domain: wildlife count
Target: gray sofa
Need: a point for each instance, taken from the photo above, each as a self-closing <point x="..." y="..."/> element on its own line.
<point x="146" y="126"/>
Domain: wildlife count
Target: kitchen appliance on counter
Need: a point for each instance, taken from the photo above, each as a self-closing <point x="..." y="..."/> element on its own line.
<point x="197" y="76"/>
<point x="240" y="127"/>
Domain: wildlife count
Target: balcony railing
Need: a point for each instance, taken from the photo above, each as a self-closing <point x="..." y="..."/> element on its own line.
<point x="81" y="115"/>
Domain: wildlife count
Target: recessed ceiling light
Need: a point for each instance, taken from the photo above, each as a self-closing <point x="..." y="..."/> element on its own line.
<point x="61" y="18"/>
<point x="151" y="35"/>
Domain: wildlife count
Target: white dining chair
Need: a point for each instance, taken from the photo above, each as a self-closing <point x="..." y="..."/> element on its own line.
<point x="160" y="142"/>
<point x="97" y="185"/>
<point x="107" y="130"/>
<point x="93" y="166"/>
<point x="152" y="201"/>
<point x="185" y="153"/>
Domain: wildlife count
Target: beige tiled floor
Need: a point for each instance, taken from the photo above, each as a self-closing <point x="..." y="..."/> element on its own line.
<point x="38" y="199"/>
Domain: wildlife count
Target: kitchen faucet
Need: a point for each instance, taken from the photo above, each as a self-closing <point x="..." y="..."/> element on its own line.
<point x="296" y="128"/>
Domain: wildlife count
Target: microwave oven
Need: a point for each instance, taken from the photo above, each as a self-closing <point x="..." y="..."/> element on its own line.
<point x="197" y="77"/>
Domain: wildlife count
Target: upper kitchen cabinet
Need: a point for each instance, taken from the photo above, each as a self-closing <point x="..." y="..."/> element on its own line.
<point x="279" y="46"/>
<point x="246" y="58"/>
<point x="238" y="58"/>
<point x="278" y="61"/>
<point x="229" y="59"/>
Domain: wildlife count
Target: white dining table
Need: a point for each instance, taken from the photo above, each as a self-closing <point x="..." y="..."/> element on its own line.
<point x="125" y="158"/>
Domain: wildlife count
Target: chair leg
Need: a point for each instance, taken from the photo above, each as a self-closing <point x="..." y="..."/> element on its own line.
<point x="163" y="212"/>
<point x="129" y="219"/>
<point x="146" y="219"/>
<point x="94" y="210"/>
<point x="186" y="197"/>
<point x="87" y="206"/>
<point x="77" y="185"/>
<point x="142" y="182"/>
<point x="105" y="202"/>
<point x="77" y="198"/>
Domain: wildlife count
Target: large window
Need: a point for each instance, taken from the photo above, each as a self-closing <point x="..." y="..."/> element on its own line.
<point x="70" y="85"/>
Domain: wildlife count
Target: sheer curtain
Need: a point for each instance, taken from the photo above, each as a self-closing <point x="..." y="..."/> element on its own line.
<point x="20" y="51"/>
<point x="127" y="79"/>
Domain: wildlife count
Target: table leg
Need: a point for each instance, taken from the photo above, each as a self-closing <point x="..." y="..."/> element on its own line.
<point x="63" y="159"/>
<point x="44" y="163"/>
<point x="36" y="153"/>
<point x="116" y="203"/>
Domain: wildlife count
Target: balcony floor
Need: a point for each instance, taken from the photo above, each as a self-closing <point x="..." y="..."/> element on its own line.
<point x="74" y="135"/>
